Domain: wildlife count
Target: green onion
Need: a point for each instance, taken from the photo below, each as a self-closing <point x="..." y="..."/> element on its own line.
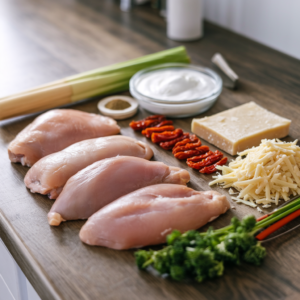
<point x="279" y="214"/>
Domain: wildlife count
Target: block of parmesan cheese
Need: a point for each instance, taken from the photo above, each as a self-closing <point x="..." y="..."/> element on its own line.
<point x="240" y="128"/>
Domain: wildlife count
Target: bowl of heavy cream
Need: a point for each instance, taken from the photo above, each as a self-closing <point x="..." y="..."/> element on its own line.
<point x="176" y="90"/>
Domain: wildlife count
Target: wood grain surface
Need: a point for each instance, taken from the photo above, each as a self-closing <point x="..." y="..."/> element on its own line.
<point x="43" y="41"/>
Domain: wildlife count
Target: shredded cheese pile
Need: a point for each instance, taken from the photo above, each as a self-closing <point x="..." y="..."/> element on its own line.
<point x="268" y="173"/>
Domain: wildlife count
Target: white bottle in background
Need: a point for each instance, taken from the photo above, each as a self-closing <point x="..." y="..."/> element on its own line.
<point x="184" y="19"/>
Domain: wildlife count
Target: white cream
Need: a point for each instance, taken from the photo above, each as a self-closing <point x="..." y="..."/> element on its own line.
<point x="175" y="84"/>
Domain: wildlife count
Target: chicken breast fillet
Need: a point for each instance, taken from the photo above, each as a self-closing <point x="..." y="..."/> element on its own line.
<point x="56" y="130"/>
<point x="50" y="173"/>
<point x="105" y="181"/>
<point x="146" y="216"/>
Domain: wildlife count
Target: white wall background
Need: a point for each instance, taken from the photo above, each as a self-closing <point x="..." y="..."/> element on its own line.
<point x="275" y="23"/>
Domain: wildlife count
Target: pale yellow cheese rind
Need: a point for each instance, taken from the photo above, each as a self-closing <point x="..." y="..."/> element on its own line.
<point x="240" y="128"/>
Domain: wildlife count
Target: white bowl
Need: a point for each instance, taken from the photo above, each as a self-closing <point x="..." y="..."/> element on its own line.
<point x="186" y="108"/>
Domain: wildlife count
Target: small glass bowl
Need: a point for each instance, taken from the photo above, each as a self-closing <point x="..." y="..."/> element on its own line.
<point x="184" y="107"/>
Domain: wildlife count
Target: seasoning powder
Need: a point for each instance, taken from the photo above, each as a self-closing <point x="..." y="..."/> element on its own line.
<point x="117" y="104"/>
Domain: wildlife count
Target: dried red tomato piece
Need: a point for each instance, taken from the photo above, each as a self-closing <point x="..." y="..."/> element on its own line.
<point x="164" y="123"/>
<point x="202" y="156"/>
<point x="213" y="168"/>
<point x="148" y="131"/>
<point x="216" y="156"/>
<point x="152" y="117"/>
<point x="203" y="149"/>
<point x="191" y="139"/>
<point x="166" y="135"/>
<point x="186" y="154"/>
<point x="142" y="124"/>
<point x="187" y="146"/>
<point x="170" y="144"/>
<point x="150" y="121"/>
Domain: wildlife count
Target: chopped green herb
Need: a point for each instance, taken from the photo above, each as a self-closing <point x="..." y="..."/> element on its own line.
<point x="204" y="255"/>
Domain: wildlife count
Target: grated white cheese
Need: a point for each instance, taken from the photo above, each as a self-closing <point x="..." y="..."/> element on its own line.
<point x="247" y="203"/>
<point x="232" y="192"/>
<point x="264" y="174"/>
<point x="239" y="200"/>
<point x="267" y="205"/>
<point x="259" y="209"/>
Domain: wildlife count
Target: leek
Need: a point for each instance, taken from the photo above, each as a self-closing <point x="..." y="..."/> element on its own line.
<point x="106" y="80"/>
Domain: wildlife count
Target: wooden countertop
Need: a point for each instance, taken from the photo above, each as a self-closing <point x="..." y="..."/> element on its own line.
<point x="43" y="41"/>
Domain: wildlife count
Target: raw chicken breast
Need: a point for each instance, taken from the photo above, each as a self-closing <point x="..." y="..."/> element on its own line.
<point x="146" y="216"/>
<point x="105" y="181"/>
<point x="50" y="173"/>
<point x="56" y="130"/>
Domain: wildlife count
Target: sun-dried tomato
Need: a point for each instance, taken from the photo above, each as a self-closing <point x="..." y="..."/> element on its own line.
<point x="170" y="144"/>
<point x="216" y="156"/>
<point x="166" y="135"/>
<point x="191" y="139"/>
<point x="187" y="146"/>
<point x="148" y="131"/>
<point x="200" y="157"/>
<point x="184" y="145"/>
<point x="164" y="123"/>
<point x="186" y="154"/>
<point x="160" y="117"/>
<point x="150" y="121"/>
<point x="203" y="149"/>
<point x="142" y="124"/>
<point x="212" y="169"/>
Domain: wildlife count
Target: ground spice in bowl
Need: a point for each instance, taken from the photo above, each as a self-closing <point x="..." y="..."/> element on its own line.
<point x="117" y="104"/>
<point x="118" y="107"/>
